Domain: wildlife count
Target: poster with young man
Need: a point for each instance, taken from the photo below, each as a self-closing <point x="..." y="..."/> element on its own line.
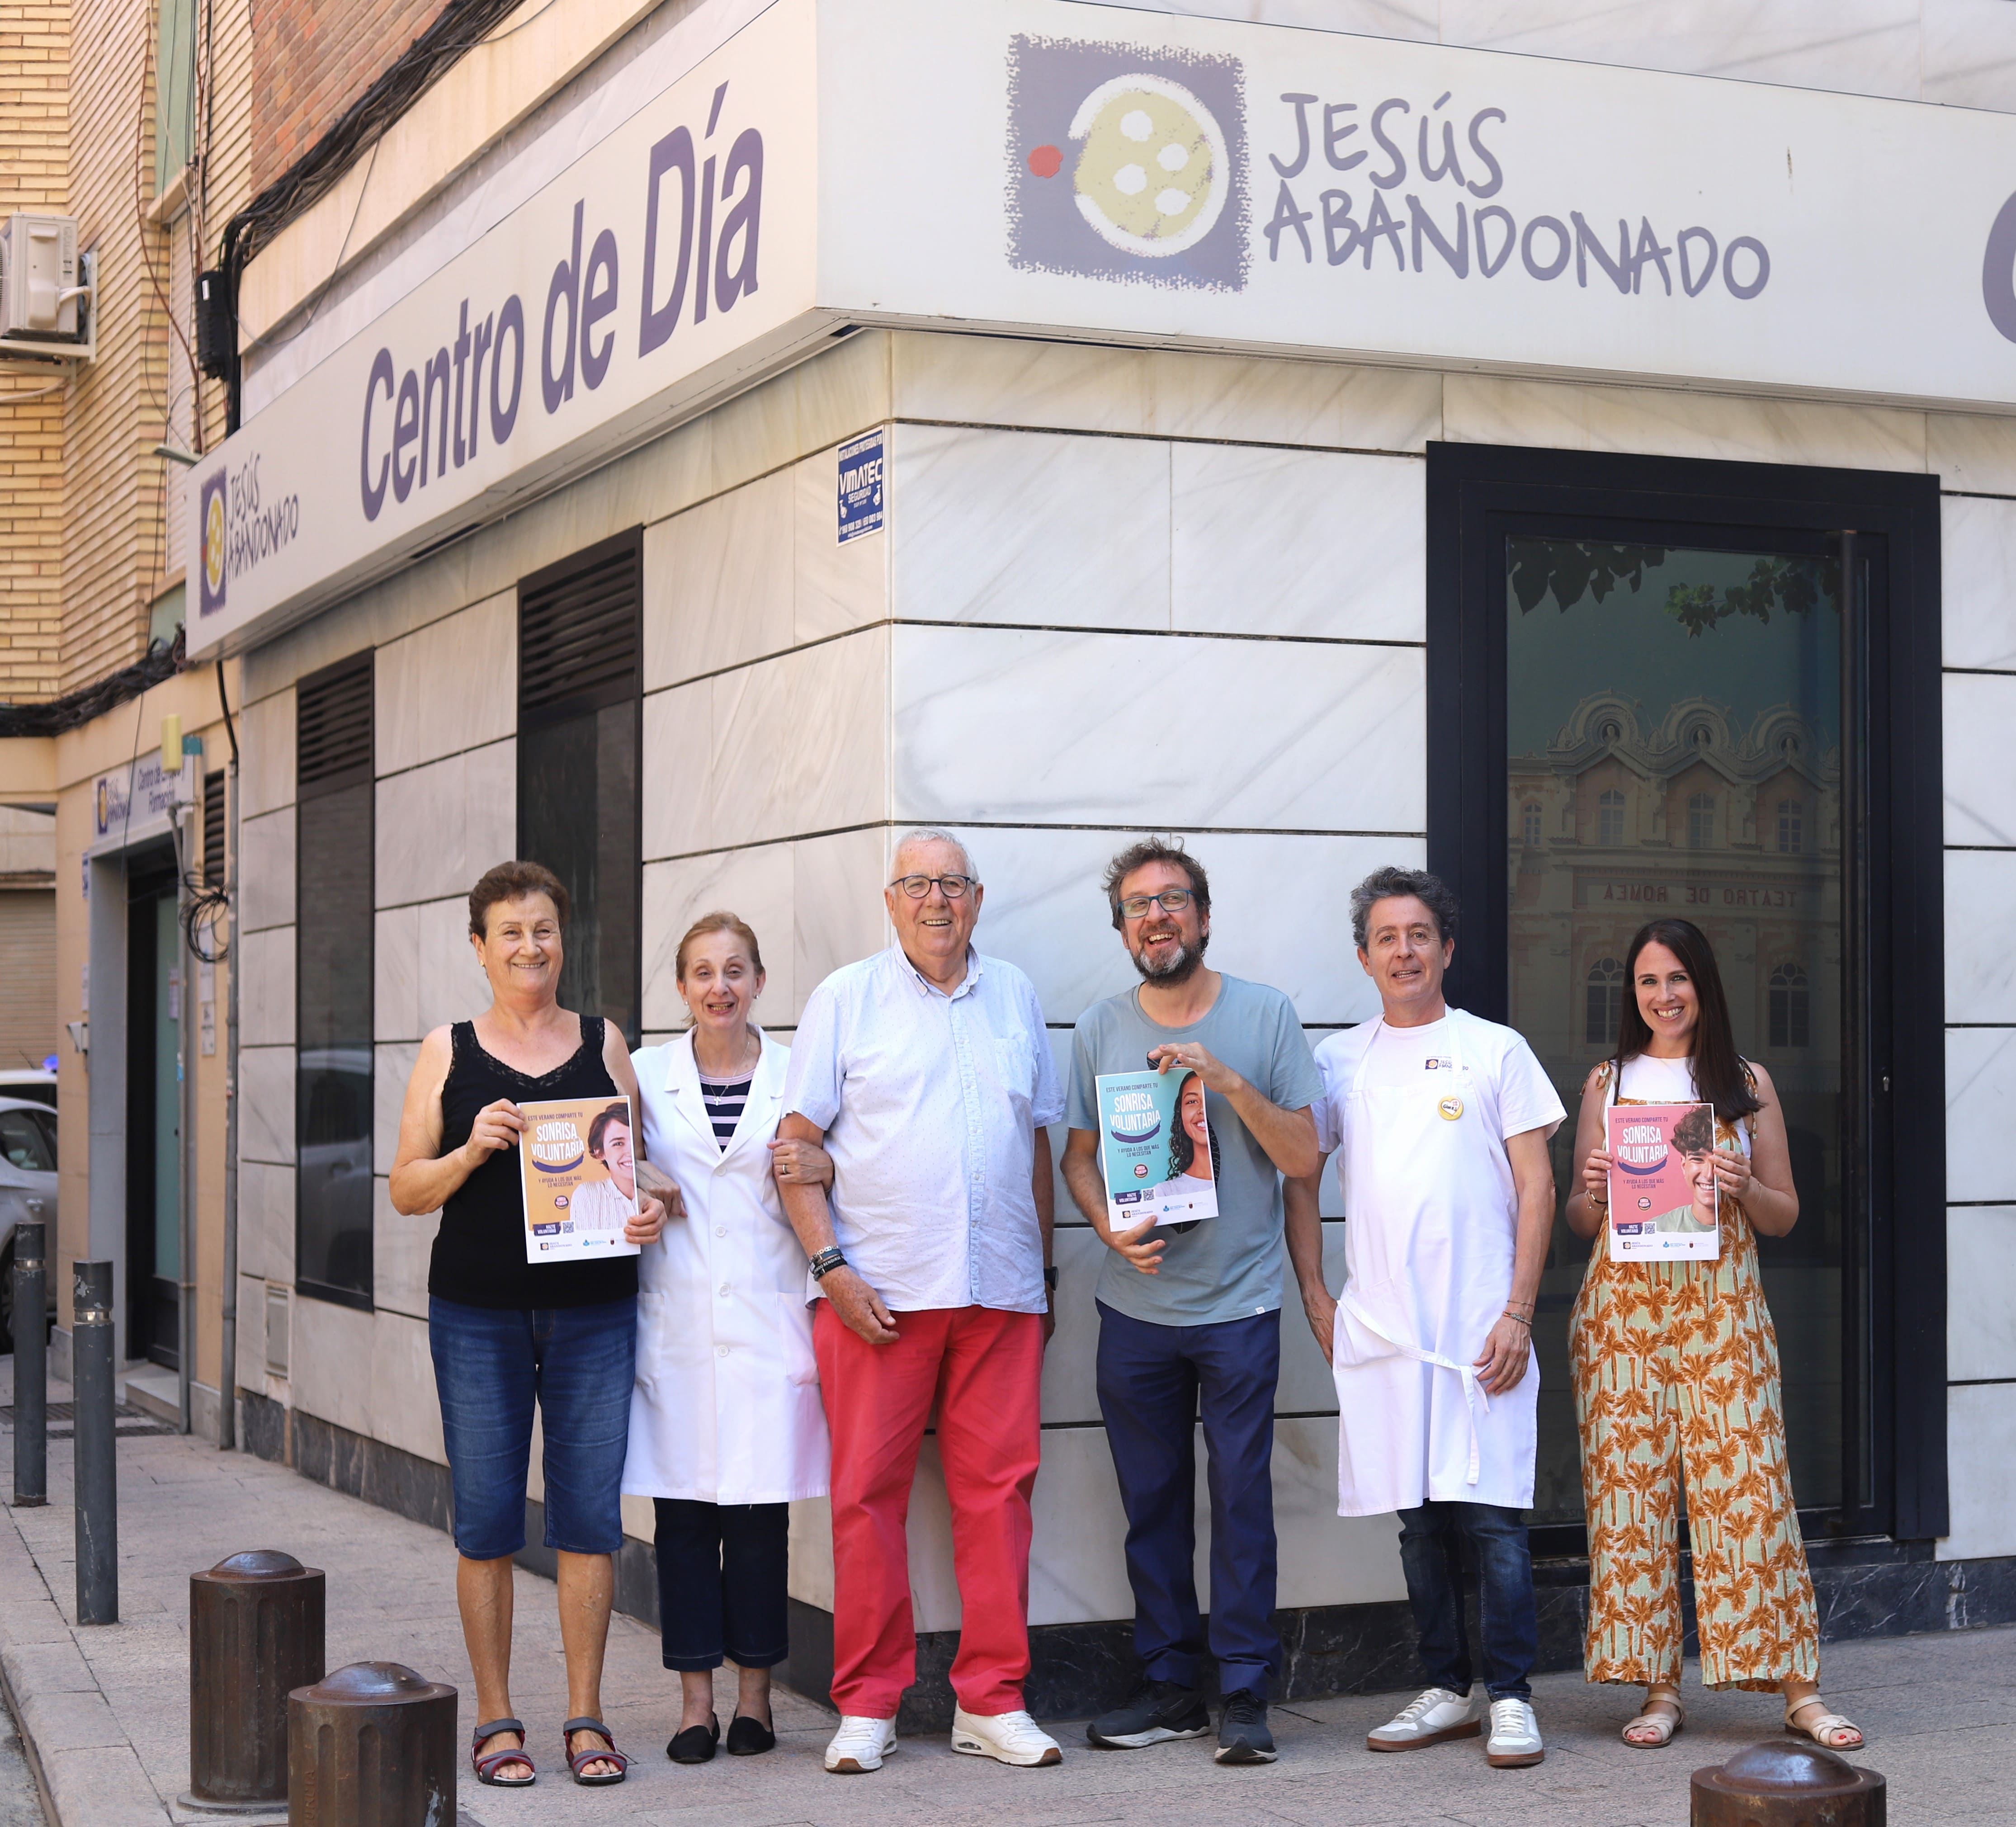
<point x="579" y="1172"/>
<point x="1662" y="1192"/>
<point x="1155" y="1148"/>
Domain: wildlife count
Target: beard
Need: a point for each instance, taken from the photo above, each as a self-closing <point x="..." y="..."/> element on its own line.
<point x="1179" y="967"/>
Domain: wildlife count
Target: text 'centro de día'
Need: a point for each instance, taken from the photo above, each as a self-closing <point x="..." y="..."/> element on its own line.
<point x="1331" y="137"/>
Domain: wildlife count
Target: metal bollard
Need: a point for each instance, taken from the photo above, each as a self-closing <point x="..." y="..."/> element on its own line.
<point x="1787" y="1783"/>
<point x="31" y="1368"/>
<point x="256" y="1625"/>
<point x="96" y="1472"/>
<point x="373" y="1746"/>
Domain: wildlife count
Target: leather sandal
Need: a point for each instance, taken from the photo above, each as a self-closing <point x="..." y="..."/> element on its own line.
<point x="488" y="1764"/>
<point x="607" y="1753"/>
<point x="1826" y="1730"/>
<point x="1662" y="1714"/>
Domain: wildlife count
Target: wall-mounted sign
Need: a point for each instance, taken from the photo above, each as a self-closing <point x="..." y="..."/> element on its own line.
<point x="861" y="485"/>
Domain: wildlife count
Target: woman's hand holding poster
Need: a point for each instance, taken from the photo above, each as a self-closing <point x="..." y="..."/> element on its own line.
<point x="580" y="1175"/>
<point x="1663" y="1202"/>
<point x="1155" y="1148"/>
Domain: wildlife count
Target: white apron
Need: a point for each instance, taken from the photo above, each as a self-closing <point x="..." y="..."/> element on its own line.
<point x="726" y="1406"/>
<point x="1428" y="1250"/>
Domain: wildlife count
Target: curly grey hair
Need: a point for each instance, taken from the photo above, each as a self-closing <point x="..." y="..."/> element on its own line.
<point x="1384" y="884"/>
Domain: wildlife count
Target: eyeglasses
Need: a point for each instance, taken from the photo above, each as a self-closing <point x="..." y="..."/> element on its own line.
<point x="1170" y="900"/>
<point x="953" y="887"/>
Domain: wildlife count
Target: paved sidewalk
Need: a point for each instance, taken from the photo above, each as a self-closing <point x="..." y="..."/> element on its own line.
<point x="105" y="1709"/>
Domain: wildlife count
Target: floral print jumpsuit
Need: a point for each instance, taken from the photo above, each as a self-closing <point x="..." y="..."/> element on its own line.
<point x="1675" y="1367"/>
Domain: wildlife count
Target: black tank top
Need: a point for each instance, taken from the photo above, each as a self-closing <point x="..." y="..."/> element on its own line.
<point x="479" y="1255"/>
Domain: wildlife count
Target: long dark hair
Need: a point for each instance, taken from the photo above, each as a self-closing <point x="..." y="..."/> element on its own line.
<point x="1719" y="1077"/>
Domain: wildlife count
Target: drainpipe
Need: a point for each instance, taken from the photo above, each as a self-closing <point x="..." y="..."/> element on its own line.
<point x="227" y="1423"/>
<point x="185" y="1079"/>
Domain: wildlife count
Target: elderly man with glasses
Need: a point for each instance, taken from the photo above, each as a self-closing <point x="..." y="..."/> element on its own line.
<point x="925" y="1072"/>
<point x="1189" y="1315"/>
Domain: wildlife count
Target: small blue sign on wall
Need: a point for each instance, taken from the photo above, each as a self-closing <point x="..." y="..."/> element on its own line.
<point x="861" y="487"/>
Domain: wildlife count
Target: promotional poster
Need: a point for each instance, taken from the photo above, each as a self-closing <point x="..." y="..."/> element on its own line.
<point x="1155" y="1146"/>
<point x="1662" y="1192"/>
<point x="579" y="1171"/>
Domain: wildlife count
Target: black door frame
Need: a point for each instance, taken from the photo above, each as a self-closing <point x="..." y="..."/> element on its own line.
<point x="150" y="879"/>
<point x="1895" y="1082"/>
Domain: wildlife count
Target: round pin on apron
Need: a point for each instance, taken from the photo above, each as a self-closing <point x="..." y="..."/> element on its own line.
<point x="1451" y="1108"/>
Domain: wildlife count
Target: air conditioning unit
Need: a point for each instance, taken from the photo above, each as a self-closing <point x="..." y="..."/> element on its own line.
<point x="46" y="306"/>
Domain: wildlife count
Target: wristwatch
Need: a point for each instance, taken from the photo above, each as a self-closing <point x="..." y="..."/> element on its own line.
<point x="1050" y="1276"/>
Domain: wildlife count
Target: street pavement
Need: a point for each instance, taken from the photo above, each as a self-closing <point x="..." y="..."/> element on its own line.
<point x="106" y="1709"/>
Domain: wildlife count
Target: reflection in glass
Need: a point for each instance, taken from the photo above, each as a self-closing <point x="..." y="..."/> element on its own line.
<point x="1674" y="736"/>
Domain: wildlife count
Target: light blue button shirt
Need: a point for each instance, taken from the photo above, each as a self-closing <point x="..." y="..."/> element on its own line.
<point x="929" y="1104"/>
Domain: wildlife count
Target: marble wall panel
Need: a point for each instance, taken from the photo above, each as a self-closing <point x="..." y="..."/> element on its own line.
<point x="266" y="1121"/>
<point x="266" y="1220"/>
<point x="933" y="1587"/>
<point x="1979" y="774"/>
<point x="1071" y="1359"/>
<point x="718" y="585"/>
<point x="401" y="1250"/>
<point x="1977" y="581"/>
<point x="811" y="1576"/>
<point x="1030" y="526"/>
<point x="1966" y="51"/>
<point x="266" y="754"/>
<point x="405" y="1409"/>
<point x="1179" y="394"/>
<point x="1077" y="1567"/>
<point x="1981" y="966"/>
<point x="1981" y="1090"/>
<point x="440" y="826"/>
<point x="266" y="1010"/>
<point x="836" y="587"/>
<point x="449" y="686"/>
<point x="1044" y="911"/>
<point x="678" y="743"/>
<point x="395" y="967"/>
<point x="449" y="983"/>
<point x="251" y="1334"/>
<point x="1980" y="1457"/>
<point x="1307" y="1386"/>
<point x="1315" y="543"/>
<point x="391" y="1067"/>
<point x="1488" y="409"/>
<point x="266" y="869"/>
<point x="1981" y="1293"/>
<point x="329" y="1351"/>
<point x="1326" y="1558"/>
<point x="1975" y="452"/>
<point x="840" y="914"/>
<point x="1003" y="726"/>
<point x="756" y="883"/>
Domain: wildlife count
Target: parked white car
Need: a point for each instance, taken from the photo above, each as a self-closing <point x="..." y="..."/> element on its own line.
<point x="27" y="1190"/>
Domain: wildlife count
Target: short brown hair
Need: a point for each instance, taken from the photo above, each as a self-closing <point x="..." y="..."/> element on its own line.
<point x="616" y="1113"/>
<point x="719" y="920"/>
<point x="1154" y="849"/>
<point x="514" y="881"/>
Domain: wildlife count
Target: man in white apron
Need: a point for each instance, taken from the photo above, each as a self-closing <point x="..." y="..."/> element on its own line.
<point x="1440" y="1121"/>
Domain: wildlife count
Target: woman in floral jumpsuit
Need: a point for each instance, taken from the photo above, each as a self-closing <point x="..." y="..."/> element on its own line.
<point x="1676" y="1370"/>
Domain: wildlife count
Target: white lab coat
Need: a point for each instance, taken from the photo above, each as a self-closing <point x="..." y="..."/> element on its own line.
<point x="726" y="1406"/>
<point x="1428" y="1245"/>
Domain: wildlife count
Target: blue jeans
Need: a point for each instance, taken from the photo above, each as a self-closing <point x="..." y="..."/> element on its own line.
<point x="491" y="1365"/>
<point x="1430" y="1555"/>
<point x="1155" y="1382"/>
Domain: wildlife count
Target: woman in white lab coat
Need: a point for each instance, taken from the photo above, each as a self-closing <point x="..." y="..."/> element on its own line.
<point x="725" y="1425"/>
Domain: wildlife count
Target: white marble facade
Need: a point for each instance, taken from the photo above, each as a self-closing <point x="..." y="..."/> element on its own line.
<point x="1236" y="547"/>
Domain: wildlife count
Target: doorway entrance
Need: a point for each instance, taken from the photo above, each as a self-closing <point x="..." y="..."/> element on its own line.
<point x="153" y="1131"/>
<point x="1710" y="691"/>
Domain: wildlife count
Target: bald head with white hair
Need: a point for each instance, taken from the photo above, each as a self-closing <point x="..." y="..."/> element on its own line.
<point x="934" y="928"/>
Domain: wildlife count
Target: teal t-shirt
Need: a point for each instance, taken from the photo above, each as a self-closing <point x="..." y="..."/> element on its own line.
<point x="1228" y="1266"/>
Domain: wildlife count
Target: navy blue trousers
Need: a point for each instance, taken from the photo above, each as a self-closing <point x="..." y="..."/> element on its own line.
<point x="1507" y="1611"/>
<point x="1155" y="1382"/>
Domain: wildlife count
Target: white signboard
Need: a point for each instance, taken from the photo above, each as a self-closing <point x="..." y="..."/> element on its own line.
<point x="130" y="805"/>
<point x="1060" y="168"/>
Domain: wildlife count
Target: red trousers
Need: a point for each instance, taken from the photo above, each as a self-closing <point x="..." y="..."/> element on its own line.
<point x="984" y="1370"/>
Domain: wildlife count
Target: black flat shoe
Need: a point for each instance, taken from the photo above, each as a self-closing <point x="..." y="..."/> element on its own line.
<point x="695" y="1745"/>
<point x="748" y="1737"/>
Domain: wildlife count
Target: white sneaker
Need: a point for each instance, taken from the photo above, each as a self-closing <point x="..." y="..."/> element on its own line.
<point x="1007" y="1738"/>
<point x="1515" y="1736"/>
<point x="1432" y="1717"/>
<point x="860" y="1744"/>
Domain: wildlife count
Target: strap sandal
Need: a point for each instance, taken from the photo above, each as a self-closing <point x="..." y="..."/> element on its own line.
<point x="1830" y="1730"/>
<point x="596" y="1753"/>
<point x="1658" y="1722"/>
<point x="486" y="1765"/>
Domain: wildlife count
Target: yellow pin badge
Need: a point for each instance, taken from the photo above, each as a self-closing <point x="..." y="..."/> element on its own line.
<point x="1451" y="1108"/>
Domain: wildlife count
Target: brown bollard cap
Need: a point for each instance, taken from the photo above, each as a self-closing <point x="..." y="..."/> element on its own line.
<point x="1787" y="1767"/>
<point x="371" y="1684"/>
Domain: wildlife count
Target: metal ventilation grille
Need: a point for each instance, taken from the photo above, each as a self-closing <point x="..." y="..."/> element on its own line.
<point x="213" y="830"/>
<point x="578" y="632"/>
<point x="334" y="727"/>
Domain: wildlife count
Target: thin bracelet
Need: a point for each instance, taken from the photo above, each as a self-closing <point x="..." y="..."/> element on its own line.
<point x="1517" y="1319"/>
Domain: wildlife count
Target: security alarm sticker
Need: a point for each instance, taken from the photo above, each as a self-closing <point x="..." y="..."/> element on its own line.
<point x="579" y="1168"/>
<point x="862" y="487"/>
<point x="1156" y="1148"/>
<point x="1663" y="1200"/>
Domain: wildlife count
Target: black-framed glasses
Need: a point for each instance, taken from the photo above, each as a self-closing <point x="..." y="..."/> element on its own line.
<point x="1170" y="900"/>
<point x="953" y="887"/>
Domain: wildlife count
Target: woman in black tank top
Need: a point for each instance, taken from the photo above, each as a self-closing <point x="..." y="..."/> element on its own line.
<point x="506" y="1334"/>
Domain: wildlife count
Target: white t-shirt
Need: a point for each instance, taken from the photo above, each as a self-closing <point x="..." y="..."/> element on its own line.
<point x="1401" y="1056"/>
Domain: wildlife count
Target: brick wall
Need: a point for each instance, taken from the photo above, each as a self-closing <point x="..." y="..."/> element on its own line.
<point x="312" y="58"/>
<point x="34" y="174"/>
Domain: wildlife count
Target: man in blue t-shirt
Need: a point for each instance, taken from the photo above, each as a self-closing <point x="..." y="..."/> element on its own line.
<point x="1190" y="1320"/>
